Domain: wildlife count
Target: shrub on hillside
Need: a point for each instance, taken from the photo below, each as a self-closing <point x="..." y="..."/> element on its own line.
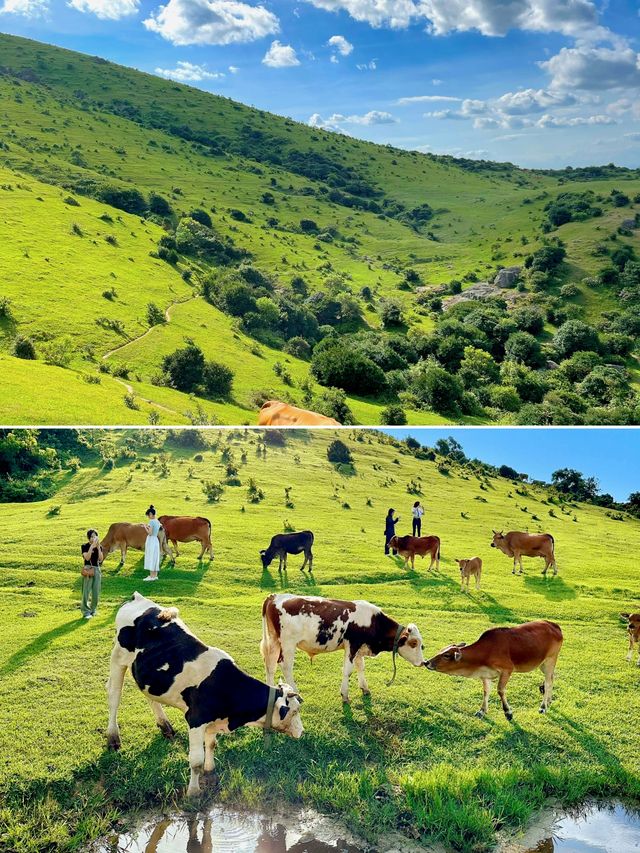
<point x="390" y="313"/>
<point x="159" y="205"/>
<point x="332" y="402"/>
<point x="524" y="348"/>
<point x="201" y="216"/>
<point x="23" y="347"/>
<point x="298" y="347"/>
<point x="58" y="352"/>
<point x="434" y="387"/>
<point x="573" y="336"/>
<point x="339" y="453"/>
<point x="217" y="380"/>
<point x="393" y="415"/>
<point x="155" y="315"/>
<point x="337" y="364"/>
<point x="128" y="199"/>
<point x="184" y="368"/>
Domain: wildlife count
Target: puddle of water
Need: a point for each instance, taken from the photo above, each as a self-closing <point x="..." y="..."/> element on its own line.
<point x="596" y="829"/>
<point x="222" y="831"/>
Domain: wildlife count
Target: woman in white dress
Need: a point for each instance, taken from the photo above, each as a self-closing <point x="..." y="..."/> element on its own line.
<point x="417" y="512"/>
<point x="152" y="545"/>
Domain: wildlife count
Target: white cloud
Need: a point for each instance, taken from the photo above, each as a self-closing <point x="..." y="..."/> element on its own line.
<point x="425" y="99"/>
<point x="635" y="136"/>
<point x="594" y="68"/>
<point x="280" y="56"/>
<point x="233" y="69"/>
<point x="573" y="121"/>
<point x="185" y="22"/>
<point x="368" y="66"/>
<point x="341" y="45"/>
<point x="531" y="100"/>
<point x="111" y="10"/>
<point x="489" y="17"/>
<point x="335" y="121"/>
<point x="26" y="8"/>
<point x="436" y="82"/>
<point x="186" y="72"/>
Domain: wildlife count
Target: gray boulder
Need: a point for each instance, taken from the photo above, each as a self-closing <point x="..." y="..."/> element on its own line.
<point x="507" y="277"/>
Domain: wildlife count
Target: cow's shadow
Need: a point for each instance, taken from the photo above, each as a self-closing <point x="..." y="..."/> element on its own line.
<point x="551" y="587"/>
<point x="492" y="608"/>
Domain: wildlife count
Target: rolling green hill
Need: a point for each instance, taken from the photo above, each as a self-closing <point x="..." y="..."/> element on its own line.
<point x="414" y="758"/>
<point x="100" y="167"/>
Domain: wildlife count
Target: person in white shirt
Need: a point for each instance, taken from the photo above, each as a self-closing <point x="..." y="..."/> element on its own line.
<point x="417" y="512"/>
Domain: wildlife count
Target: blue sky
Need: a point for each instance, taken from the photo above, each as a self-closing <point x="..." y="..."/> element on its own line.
<point x="538" y="82"/>
<point x="611" y="455"/>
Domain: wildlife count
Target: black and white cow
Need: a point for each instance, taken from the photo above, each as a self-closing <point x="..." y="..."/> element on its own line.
<point x="318" y="625"/>
<point x="289" y="543"/>
<point x="171" y="666"/>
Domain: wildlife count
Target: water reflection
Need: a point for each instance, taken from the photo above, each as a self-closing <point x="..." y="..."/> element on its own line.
<point x="224" y="832"/>
<point x="596" y="829"/>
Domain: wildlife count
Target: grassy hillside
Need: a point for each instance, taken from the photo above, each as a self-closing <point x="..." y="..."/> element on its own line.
<point x="414" y="758"/>
<point x="385" y="220"/>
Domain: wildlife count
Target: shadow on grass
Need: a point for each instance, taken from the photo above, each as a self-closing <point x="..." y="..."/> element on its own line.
<point x="39" y="645"/>
<point x="551" y="587"/>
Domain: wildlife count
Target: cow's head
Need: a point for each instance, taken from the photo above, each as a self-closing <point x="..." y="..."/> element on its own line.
<point x="449" y="660"/>
<point x="462" y="565"/>
<point x="266" y="559"/>
<point x="393" y="543"/>
<point x="286" y="712"/>
<point x="500" y="541"/>
<point x="410" y="645"/>
<point x="633" y="624"/>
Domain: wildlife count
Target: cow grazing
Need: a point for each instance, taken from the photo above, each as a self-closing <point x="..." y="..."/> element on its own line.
<point x="278" y="414"/>
<point x="124" y="535"/>
<point x="633" y="627"/>
<point x="411" y="546"/>
<point x="171" y="666"/>
<point x="289" y="543"/>
<point x="499" y="653"/>
<point x="518" y="545"/>
<point x="185" y="528"/>
<point x="318" y="625"/>
<point x="468" y="569"/>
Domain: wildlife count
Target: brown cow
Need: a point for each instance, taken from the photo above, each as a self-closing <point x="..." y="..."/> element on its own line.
<point x="499" y="653"/>
<point x="633" y="627"/>
<point x="278" y="414"/>
<point x="472" y="566"/>
<point x="124" y="535"/>
<point x="185" y="528"/>
<point x="409" y="546"/>
<point x="518" y="545"/>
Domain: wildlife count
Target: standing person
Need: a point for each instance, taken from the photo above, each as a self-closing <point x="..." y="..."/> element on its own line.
<point x="152" y="545"/>
<point x="390" y="530"/>
<point x="91" y="576"/>
<point x="417" y="512"/>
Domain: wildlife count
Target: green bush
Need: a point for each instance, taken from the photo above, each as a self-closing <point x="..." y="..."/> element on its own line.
<point x="184" y="368"/>
<point x="155" y="315"/>
<point x="573" y="336"/>
<point x="339" y="453"/>
<point x="23" y="347"/>
<point x="393" y="415"/>
<point x="524" y="348"/>
<point x="434" y="387"/>
<point x="339" y="365"/>
<point x="217" y="380"/>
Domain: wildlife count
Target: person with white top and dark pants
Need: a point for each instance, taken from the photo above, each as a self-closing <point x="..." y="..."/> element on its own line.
<point x="417" y="512"/>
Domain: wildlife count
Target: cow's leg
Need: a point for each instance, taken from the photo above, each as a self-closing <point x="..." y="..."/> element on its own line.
<point x="196" y="759"/>
<point x="161" y="719"/>
<point x="288" y="658"/>
<point x="631" y="645"/>
<point x="304" y="562"/>
<point x="486" y="690"/>
<point x="284" y="563"/>
<point x="310" y="561"/>
<point x="362" y="681"/>
<point x="114" y="690"/>
<point x="547" y="667"/>
<point x="502" y="692"/>
<point x="347" y="669"/>
<point x="513" y="571"/>
<point x="174" y="542"/>
<point x="271" y="651"/>
<point x="478" y="580"/>
<point x="546" y="566"/>
<point x="210" y="548"/>
<point x="123" y="553"/>
<point x="209" y="748"/>
<point x="413" y="562"/>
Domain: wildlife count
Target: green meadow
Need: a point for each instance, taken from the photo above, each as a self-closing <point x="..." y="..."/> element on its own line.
<point x="412" y="758"/>
<point x="77" y="270"/>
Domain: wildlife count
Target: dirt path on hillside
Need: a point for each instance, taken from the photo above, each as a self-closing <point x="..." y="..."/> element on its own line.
<point x="153" y="403"/>
<point x="167" y="316"/>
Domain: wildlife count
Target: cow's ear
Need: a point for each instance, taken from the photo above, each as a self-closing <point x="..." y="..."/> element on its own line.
<point x="460" y="645"/>
<point x="625" y="616"/>
<point x="262" y="553"/>
<point x="457" y="655"/>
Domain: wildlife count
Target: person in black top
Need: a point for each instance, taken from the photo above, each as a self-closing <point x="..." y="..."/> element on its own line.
<point x="92" y="561"/>
<point x="390" y="530"/>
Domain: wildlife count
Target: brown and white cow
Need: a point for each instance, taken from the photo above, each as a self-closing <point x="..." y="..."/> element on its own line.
<point x="186" y="528"/>
<point x="279" y="414"/>
<point x="317" y="625"/>
<point x="171" y="666"/>
<point x="468" y="569"/>
<point x="499" y="653"/>
<point x="633" y="627"/>
<point x="125" y="535"/>
<point x="411" y="546"/>
<point x="518" y="545"/>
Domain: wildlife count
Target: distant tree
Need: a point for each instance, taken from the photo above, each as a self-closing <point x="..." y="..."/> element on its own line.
<point x="332" y="402"/>
<point x="217" y="380"/>
<point x="159" y="205"/>
<point x="201" y="216"/>
<point x="451" y="448"/>
<point x="184" y="368"/>
<point x="412" y="443"/>
<point x="339" y="453"/>
<point x="524" y="348"/>
<point x="572" y="482"/>
<point x="23" y="347"/>
<point x="124" y="198"/>
<point x="308" y="225"/>
<point x="575" y="335"/>
<point x="155" y="315"/>
<point x="390" y="313"/>
<point x="268" y="198"/>
<point x="337" y="364"/>
<point x="508" y="472"/>
<point x="435" y="387"/>
<point x="393" y="415"/>
<point x="477" y="368"/>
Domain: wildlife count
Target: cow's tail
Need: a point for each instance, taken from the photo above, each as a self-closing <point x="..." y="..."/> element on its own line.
<point x="438" y="557"/>
<point x="268" y="639"/>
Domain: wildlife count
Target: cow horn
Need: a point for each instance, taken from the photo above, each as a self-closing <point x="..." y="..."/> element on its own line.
<point x="168" y="613"/>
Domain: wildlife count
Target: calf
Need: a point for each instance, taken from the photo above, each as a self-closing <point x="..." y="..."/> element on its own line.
<point x="171" y="666"/>
<point x="410" y="546"/>
<point x="633" y="627"/>
<point x="124" y="535"/>
<point x="289" y="543"/>
<point x="318" y="625"/>
<point x="278" y="414"/>
<point x="185" y="528"/>
<point x="469" y="568"/>
<point x="518" y="545"/>
<point x="499" y="653"/>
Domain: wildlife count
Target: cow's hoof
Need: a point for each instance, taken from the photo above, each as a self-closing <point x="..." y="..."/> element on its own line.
<point x="209" y="778"/>
<point x="192" y="793"/>
<point x="543" y="710"/>
<point x="113" y="743"/>
<point x="167" y="730"/>
<point x="509" y="715"/>
<point x="346" y="701"/>
<point x="479" y="714"/>
<point x="366" y="692"/>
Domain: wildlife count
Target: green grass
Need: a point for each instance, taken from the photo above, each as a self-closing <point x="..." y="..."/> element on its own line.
<point x="413" y="758"/>
<point x="62" y="117"/>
